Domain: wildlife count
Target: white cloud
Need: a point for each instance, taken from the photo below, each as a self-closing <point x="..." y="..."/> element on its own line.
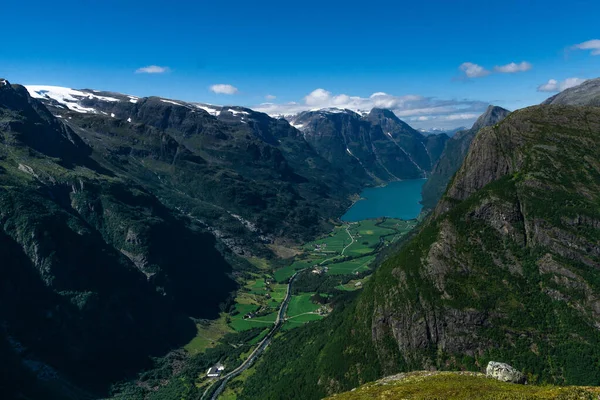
<point x="152" y="69"/>
<point x="472" y="70"/>
<point x="414" y="108"/>
<point x="270" y="97"/>
<point x="555" y="86"/>
<point x="513" y="67"/>
<point x="593" y="45"/>
<point x="223" y="89"/>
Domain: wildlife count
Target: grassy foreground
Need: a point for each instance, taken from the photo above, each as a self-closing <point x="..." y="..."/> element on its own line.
<point x="461" y="385"/>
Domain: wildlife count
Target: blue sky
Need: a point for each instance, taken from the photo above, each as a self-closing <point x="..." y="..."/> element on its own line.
<point x="263" y="48"/>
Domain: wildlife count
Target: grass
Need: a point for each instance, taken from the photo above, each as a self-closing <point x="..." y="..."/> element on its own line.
<point x="352" y="266"/>
<point x="333" y="243"/>
<point x="301" y="304"/>
<point x="300" y="311"/>
<point x="367" y="235"/>
<point x="240" y="324"/>
<point x="461" y="386"/>
<point x="208" y="335"/>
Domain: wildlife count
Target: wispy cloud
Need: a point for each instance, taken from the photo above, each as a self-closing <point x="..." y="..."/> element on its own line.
<point x="593" y="45"/>
<point x="513" y="67"/>
<point x="558" y="86"/>
<point x="270" y="97"/>
<point x="472" y="70"/>
<point x="413" y="108"/>
<point x="222" y="88"/>
<point x="152" y="69"/>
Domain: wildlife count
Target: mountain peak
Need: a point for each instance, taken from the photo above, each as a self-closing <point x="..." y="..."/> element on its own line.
<point x="383" y="112"/>
<point x="491" y="116"/>
<point x="585" y="94"/>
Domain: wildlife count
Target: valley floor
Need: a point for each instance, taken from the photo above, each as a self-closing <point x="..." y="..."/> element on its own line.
<point x="341" y="259"/>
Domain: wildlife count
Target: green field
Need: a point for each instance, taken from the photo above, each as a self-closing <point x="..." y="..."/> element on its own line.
<point x="367" y="235"/>
<point x="301" y="304"/>
<point x="208" y="335"/>
<point x="300" y="311"/>
<point x="331" y="244"/>
<point x="349" y="267"/>
<point x="240" y="324"/>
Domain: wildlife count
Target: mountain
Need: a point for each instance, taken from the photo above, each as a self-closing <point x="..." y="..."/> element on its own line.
<point x="437" y="131"/>
<point x="97" y="273"/>
<point x="377" y="146"/>
<point x="243" y="174"/>
<point x="453" y="155"/>
<point x="123" y="219"/>
<point x="506" y="269"/>
<point x="585" y="94"/>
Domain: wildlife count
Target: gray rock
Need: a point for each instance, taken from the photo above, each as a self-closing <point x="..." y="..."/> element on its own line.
<point x="504" y="372"/>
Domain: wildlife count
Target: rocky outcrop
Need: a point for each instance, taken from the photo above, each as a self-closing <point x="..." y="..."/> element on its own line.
<point x="585" y="94"/>
<point x="504" y="373"/>
<point x="454" y="153"/>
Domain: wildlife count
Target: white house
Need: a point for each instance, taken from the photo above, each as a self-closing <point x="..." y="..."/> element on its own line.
<point x="215" y="371"/>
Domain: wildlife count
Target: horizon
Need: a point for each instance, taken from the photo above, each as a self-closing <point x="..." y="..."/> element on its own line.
<point x="435" y="65"/>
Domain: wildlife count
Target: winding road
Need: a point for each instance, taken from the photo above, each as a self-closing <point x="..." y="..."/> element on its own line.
<point x="222" y="382"/>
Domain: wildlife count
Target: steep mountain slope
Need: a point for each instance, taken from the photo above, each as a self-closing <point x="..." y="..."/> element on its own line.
<point x="97" y="273"/>
<point x="377" y="145"/>
<point x="248" y="177"/>
<point x="506" y="269"/>
<point x="585" y="94"/>
<point x="453" y="155"/>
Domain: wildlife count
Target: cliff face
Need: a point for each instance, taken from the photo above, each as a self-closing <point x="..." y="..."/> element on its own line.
<point x="512" y="248"/>
<point x="506" y="269"/>
<point x="453" y="155"/>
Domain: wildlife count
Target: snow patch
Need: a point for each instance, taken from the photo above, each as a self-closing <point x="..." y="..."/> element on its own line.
<point x="211" y="110"/>
<point x="297" y="126"/>
<point x="389" y="134"/>
<point x="171" y="102"/>
<point x="133" y="99"/>
<point x="236" y="112"/>
<point x="65" y="96"/>
<point x="112" y="115"/>
<point x="129" y="119"/>
<point x="3" y="82"/>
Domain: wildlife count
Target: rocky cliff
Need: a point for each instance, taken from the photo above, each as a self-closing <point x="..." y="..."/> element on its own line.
<point x="506" y="269"/>
<point x="454" y="153"/>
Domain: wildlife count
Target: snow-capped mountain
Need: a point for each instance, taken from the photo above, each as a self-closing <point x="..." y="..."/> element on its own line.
<point x="88" y="101"/>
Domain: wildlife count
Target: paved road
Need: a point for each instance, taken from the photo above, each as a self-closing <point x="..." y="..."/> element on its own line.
<point x="222" y="382"/>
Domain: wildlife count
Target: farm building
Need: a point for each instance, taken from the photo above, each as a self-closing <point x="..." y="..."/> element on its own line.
<point x="215" y="371"/>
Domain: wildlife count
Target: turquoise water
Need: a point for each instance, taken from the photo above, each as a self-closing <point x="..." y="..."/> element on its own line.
<point x="396" y="200"/>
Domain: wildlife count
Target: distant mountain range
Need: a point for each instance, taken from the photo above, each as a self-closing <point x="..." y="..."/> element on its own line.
<point x="377" y="145"/>
<point x="437" y="131"/>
